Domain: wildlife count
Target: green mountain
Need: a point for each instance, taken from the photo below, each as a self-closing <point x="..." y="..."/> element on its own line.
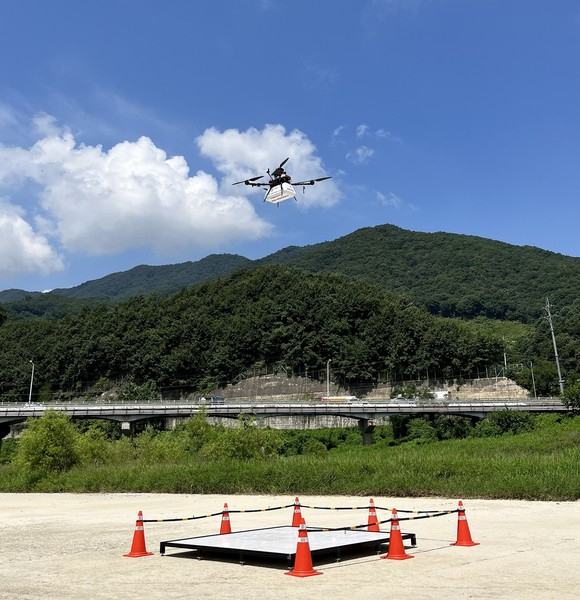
<point x="450" y="274"/>
<point x="167" y="279"/>
<point x="16" y="295"/>
<point x="142" y="280"/>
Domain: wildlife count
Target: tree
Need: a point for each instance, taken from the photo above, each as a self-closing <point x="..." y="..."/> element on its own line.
<point x="131" y="392"/>
<point x="421" y="431"/>
<point x="504" y="422"/>
<point x="199" y="432"/>
<point x="571" y="397"/>
<point x="49" y="443"/>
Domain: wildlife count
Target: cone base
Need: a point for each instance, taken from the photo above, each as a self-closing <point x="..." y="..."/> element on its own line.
<point x="403" y="557"/>
<point x="465" y="544"/>
<point x="303" y="573"/>
<point x="138" y="554"/>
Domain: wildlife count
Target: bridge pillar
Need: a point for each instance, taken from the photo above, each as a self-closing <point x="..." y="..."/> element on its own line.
<point x="367" y="427"/>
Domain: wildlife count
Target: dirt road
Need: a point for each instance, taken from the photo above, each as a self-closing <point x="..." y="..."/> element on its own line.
<point x="68" y="546"/>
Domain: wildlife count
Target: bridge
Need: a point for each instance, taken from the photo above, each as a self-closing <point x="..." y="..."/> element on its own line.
<point x="365" y="412"/>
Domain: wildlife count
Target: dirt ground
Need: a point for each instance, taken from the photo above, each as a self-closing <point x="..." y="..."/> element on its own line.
<point x="69" y="546"/>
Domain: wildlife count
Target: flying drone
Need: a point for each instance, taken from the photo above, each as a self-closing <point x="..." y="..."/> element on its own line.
<point x="279" y="187"/>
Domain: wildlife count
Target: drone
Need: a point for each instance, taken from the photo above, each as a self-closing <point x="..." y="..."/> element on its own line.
<point x="279" y="187"/>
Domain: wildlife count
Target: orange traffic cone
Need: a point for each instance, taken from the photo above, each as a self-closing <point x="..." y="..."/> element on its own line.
<point x="303" y="562"/>
<point x="297" y="516"/>
<point x="463" y="533"/>
<point x="396" y="548"/>
<point x="225" y="526"/>
<point x="373" y="522"/>
<point x="138" y="546"/>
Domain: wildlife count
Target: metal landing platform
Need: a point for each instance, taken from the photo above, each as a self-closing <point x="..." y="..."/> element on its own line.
<point x="280" y="543"/>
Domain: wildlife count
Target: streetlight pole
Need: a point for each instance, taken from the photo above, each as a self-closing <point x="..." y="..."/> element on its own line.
<point x="533" y="380"/>
<point x="31" y="382"/>
<point x="328" y="377"/>
<point x="549" y="317"/>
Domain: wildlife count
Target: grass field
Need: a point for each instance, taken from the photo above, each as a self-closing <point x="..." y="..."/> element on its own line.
<point x="543" y="464"/>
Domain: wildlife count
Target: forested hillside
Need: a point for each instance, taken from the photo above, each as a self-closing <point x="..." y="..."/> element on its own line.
<point x="166" y="279"/>
<point x="140" y="280"/>
<point x="449" y="274"/>
<point x="209" y="333"/>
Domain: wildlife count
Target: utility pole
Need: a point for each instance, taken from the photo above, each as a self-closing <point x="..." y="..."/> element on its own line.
<point x="549" y="317"/>
<point x="31" y="382"/>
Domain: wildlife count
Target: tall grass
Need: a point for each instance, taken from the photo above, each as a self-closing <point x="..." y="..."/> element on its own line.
<point x="543" y="464"/>
<point x="539" y="465"/>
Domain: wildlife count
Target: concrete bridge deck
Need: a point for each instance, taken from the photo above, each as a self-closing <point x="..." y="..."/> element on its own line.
<point x="364" y="413"/>
<point x="11" y="412"/>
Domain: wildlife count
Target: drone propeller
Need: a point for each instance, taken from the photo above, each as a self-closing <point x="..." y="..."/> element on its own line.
<point x="248" y="181"/>
<point x="284" y="162"/>
<point x="311" y="181"/>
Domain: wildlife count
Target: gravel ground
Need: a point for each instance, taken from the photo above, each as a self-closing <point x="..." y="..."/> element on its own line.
<point x="71" y="546"/>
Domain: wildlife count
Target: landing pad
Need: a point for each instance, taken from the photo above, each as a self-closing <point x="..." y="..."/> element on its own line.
<point x="280" y="542"/>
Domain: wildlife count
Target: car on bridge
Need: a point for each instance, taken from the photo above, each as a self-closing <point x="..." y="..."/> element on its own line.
<point x="211" y="400"/>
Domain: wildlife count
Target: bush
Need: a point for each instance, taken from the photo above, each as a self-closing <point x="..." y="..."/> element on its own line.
<point x="452" y="427"/>
<point x="153" y="447"/>
<point x="313" y="446"/>
<point x="421" y="431"/>
<point x="93" y="447"/>
<point x="49" y="443"/>
<point x="246" y="442"/>
<point x="199" y="432"/>
<point x="504" y="421"/>
<point x="7" y="449"/>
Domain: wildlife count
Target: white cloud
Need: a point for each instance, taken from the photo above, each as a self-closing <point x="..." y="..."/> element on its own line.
<point x="362" y="130"/>
<point x="103" y="202"/>
<point x="388" y="200"/>
<point x="393" y="201"/>
<point x="77" y="198"/>
<point x="22" y="250"/>
<point x="46" y="126"/>
<point x="364" y="153"/>
<point x="385" y="134"/>
<point x="361" y="155"/>
<point x="337" y="131"/>
<point x="242" y="154"/>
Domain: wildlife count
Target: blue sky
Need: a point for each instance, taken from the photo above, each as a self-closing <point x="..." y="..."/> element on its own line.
<point x="123" y="124"/>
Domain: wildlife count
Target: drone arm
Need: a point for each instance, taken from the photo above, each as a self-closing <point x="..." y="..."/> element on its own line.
<point x="311" y="181"/>
<point x="249" y="181"/>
